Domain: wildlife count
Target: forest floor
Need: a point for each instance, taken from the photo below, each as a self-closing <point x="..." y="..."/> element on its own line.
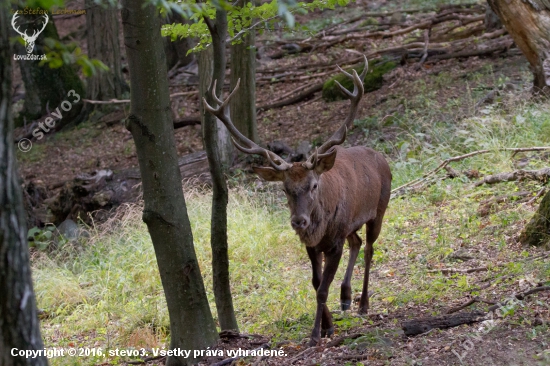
<point x="105" y="292"/>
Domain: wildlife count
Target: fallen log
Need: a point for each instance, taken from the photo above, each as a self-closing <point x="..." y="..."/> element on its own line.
<point x="541" y="175"/>
<point x="423" y="325"/>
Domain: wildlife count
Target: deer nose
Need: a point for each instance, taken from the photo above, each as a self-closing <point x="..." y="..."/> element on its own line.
<point x="299" y="223"/>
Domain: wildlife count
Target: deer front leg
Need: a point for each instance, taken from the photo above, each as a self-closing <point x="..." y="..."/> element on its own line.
<point x="332" y="259"/>
<point x="316" y="259"/>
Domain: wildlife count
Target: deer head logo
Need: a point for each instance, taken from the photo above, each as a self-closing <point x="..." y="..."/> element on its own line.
<point x="29" y="40"/>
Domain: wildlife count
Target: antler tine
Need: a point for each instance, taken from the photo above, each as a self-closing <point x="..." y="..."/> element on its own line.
<point x="16" y="27"/>
<point x="45" y="22"/>
<point x="311" y="161"/>
<point x="250" y="146"/>
<point x="274" y="160"/>
<point x="355" y="97"/>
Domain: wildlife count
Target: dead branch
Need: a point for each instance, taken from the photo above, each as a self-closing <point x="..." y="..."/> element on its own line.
<point x="122" y="101"/>
<point x="541" y="175"/>
<point x="340" y="340"/>
<point x="456" y="270"/>
<point x="425" y="52"/>
<point x="422" y="325"/>
<point x="482" y="52"/>
<point x="187" y="121"/>
<point x="294" y="91"/>
<point x="352" y="357"/>
<point x="295" y="99"/>
<point x="487" y="206"/>
<point x="540" y="193"/>
<point x="521" y="296"/>
<point x="446" y="162"/>
<point x="470" y="302"/>
<point x="303" y="354"/>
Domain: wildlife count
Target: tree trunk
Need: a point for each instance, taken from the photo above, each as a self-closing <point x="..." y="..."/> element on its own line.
<point x="19" y="327"/>
<point x="215" y="135"/>
<point x="177" y="50"/>
<point x="243" y="66"/>
<point x="165" y="213"/>
<point x="103" y="44"/>
<point x="528" y="22"/>
<point x="47" y="88"/>
<point x="537" y="231"/>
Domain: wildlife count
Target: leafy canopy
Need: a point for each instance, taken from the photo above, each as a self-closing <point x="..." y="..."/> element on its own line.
<point x="240" y="20"/>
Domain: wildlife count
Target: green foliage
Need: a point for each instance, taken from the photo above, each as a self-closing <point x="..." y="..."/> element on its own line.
<point x="240" y="19"/>
<point x="40" y="238"/>
<point x="373" y="80"/>
<point x="58" y="54"/>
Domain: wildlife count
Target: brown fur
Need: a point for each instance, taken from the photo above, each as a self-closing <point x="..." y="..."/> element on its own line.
<point x="353" y="189"/>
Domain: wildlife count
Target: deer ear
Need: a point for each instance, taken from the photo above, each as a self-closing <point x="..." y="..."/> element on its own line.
<point x="269" y="174"/>
<point x="325" y="162"/>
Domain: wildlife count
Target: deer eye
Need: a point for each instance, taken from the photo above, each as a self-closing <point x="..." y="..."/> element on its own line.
<point x="314" y="187"/>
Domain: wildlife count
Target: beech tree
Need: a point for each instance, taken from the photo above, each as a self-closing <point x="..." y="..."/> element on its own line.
<point x="150" y="122"/>
<point x="217" y="143"/>
<point x="243" y="68"/>
<point x="103" y="44"/>
<point x="19" y="326"/>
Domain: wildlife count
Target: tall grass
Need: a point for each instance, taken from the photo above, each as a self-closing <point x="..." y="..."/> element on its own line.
<point x="107" y="289"/>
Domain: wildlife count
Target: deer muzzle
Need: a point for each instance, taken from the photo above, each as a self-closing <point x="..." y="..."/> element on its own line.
<point x="299" y="222"/>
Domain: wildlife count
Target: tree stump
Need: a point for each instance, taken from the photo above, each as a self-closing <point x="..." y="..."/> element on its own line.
<point x="537" y="231"/>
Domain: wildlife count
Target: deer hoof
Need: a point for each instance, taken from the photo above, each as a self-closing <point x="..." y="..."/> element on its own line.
<point x="327" y="332"/>
<point x="346" y="305"/>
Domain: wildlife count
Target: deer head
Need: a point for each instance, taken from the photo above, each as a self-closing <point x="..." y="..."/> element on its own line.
<point x="301" y="181"/>
<point x="29" y="40"/>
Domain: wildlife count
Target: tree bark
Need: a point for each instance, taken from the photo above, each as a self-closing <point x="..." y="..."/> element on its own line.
<point x="165" y="213"/>
<point x="243" y="66"/>
<point x="47" y="88"/>
<point x="103" y="44"/>
<point x="213" y="138"/>
<point x="528" y="22"/>
<point x="19" y="327"/>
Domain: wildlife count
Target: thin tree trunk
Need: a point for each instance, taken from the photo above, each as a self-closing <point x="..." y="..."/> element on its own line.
<point x="47" y="88"/>
<point x="103" y="44"/>
<point x="212" y="131"/>
<point x="165" y="213"/>
<point x="528" y="22"/>
<point x="19" y="327"/>
<point x="243" y="66"/>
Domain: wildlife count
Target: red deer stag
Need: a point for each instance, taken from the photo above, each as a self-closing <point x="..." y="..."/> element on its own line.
<point x="330" y="196"/>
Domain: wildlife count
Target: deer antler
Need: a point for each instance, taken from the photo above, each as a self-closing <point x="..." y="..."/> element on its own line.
<point x="340" y="135"/>
<point x="43" y="26"/>
<point x="15" y="15"/>
<point x="250" y="147"/>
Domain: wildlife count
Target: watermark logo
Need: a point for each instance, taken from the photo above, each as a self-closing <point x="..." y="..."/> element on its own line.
<point x="25" y="145"/>
<point x="30" y="39"/>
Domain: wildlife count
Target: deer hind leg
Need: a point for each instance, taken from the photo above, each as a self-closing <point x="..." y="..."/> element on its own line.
<point x="316" y="258"/>
<point x="373" y="230"/>
<point x="345" y="294"/>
